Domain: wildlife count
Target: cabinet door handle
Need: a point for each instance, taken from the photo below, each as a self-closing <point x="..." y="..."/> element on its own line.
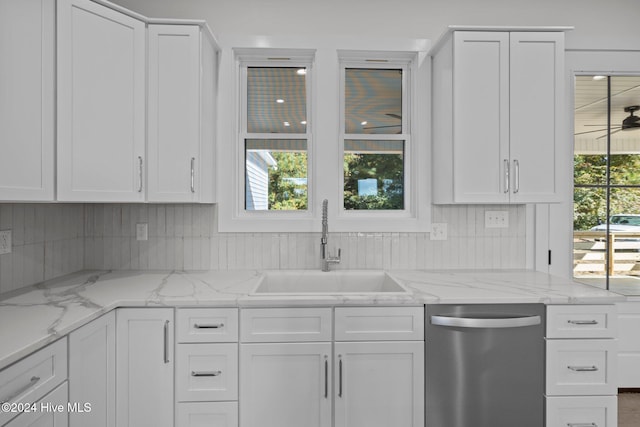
<point x="166" y="341"/>
<point x="208" y="326"/>
<point x="326" y="376"/>
<point x="339" y="375"/>
<point x="140" y="174"/>
<point x="583" y="322"/>
<point x="507" y="178"/>
<point x="516" y="171"/>
<point x="583" y="368"/>
<point x="582" y="425"/>
<point x="193" y="174"/>
<point x="32" y="382"/>
<point x="206" y="373"/>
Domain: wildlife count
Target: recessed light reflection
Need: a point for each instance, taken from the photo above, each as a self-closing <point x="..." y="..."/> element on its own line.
<point x="304" y="122"/>
<point x="287" y="124"/>
<point x="364" y="123"/>
<point x="599" y="77"/>
<point x="280" y="101"/>
<point x="302" y="71"/>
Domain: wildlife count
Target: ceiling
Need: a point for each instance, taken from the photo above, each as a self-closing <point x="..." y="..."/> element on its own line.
<point x="591" y="113"/>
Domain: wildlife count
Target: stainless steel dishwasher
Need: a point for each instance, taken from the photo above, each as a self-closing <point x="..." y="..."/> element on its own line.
<point x="485" y="365"/>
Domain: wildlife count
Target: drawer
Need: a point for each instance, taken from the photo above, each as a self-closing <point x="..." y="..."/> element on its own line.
<point x="379" y="323"/>
<point x="207" y="325"/>
<point x="581" y="321"/>
<point x="207" y="414"/>
<point x="581" y="367"/>
<point x="31" y="378"/>
<point x="47" y="417"/>
<point x="206" y="372"/>
<point x="285" y="324"/>
<point x="586" y="411"/>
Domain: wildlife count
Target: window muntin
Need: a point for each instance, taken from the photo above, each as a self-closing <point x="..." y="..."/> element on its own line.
<point x="374" y="167"/>
<point x="275" y="136"/>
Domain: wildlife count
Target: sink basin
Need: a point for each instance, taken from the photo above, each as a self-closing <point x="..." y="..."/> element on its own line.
<point x="314" y="282"/>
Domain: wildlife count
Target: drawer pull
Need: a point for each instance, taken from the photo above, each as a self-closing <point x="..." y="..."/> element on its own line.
<point x="32" y="382"/>
<point x="583" y="368"/>
<point x="206" y="373"/>
<point x="582" y="425"/>
<point x="208" y="326"/>
<point x="583" y="322"/>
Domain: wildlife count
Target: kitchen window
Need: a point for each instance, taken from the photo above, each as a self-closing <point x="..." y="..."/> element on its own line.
<point x="325" y="123"/>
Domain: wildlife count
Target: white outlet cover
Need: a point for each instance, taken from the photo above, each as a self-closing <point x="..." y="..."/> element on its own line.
<point x="142" y="231"/>
<point x="5" y="242"/>
<point x="496" y="219"/>
<point x="438" y="231"/>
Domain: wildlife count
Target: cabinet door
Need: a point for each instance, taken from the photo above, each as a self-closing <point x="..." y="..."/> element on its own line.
<point x="536" y="100"/>
<point x="101" y="103"/>
<point x="92" y="372"/>
<point x="144" y="378"/>
<point x="27" y="45"/>
<point x="207" y="414"/>
<point x="174" y="113"/>
<point x="285" y="385"/>
<point x="481" y="117"/>
<point x="379" y="384"/>
<point x="52" y="411"/>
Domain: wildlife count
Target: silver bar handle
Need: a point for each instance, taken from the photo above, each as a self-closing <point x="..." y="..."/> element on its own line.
<point x="32" y="382"/>
<point x="326" y="376"/>
<point x="206" y="373"/>
<point x="193" y="174"/>
<point x="582" y="425"/>
<point x="208" y="326"/>
<point x="583" y="368"/>
<point x="339" y="375"/>
<point x="140" y="174"/>
<point x="583" y="322"/>
<point x="516" y="171"/>
<point x="468" y="322"/>
<point x="507" y="178"/>
<point x="166" y="341"/>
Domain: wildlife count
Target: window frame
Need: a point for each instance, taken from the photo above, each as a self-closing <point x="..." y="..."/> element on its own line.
<point x="380" y="61"/>
<point x="325" y="153"/>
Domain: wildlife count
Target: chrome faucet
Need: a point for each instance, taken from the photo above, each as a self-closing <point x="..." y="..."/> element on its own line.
<point x="326" y="256"/>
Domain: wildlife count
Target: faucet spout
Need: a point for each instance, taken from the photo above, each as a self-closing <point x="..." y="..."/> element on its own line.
<point x="324" y="240"/>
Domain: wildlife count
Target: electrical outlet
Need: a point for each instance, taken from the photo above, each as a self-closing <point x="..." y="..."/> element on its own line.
<point x="142" y="231"/>
<point x="5" y="242"/>
<point x="496" y="219"/>
<point x="438" y="231"/>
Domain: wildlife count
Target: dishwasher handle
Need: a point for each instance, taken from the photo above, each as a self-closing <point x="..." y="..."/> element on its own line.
<point x="469" y="322"/>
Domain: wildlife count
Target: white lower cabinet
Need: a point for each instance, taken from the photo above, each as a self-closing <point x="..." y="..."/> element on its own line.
<point x="581" y="371"/>
<point x="628" y="344"/>
<point x="92" y="373"/>
<point x="316" y="382"/>
<point x="379" y="384"/>
<point x="207" y="414"/>
<point x="52" y="411"/>
<point x="144" y="379"/>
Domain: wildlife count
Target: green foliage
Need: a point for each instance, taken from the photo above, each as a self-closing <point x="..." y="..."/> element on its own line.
<point x="590" y="203"/>
<point x="386" y="169"/>
<point x="285" y="192"/>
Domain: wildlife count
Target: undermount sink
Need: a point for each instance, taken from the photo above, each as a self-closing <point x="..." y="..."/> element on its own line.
<point x="312" y="282"/>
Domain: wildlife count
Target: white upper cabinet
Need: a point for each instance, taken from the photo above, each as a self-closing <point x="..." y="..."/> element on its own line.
<point x="497" y="114"/>
<point x="181" y="115"/>
<point x="101" y="104"/>
<point x="27" y="47"/>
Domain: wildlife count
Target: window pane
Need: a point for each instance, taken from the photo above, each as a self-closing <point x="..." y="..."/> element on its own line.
<point x="275" y="174"/>
<point x="373" y="101"/>
<point x="373" y="175"/>
<point x="276" y="100"/>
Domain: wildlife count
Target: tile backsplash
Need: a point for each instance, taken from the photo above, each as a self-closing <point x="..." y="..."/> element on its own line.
<point x="51" y="240"/>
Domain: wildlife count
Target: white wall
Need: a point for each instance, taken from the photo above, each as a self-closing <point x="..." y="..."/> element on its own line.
<point x="609" y="24"/>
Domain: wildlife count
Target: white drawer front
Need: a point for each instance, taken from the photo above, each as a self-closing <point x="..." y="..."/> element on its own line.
<point x="285" y="324"/>
<point x="207" y="325"/>
<point x="34" y="376"/>
<point x="206" y="372"/>
<point x="581" y="321"/>
<point x="581" y="367"/>
<point x="379" y="323"/>
<point x="46" y="415"/>
<point x="587" y="411"/>
<point x="207" y="414"/>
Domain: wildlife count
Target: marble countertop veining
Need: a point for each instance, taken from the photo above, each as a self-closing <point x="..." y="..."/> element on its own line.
<point x="35" y="316"/>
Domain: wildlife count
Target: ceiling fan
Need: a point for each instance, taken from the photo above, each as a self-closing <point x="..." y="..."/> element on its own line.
<point x="629" y="123"/>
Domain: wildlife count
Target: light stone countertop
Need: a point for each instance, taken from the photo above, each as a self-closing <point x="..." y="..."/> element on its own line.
<point x="38" y="315"/>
